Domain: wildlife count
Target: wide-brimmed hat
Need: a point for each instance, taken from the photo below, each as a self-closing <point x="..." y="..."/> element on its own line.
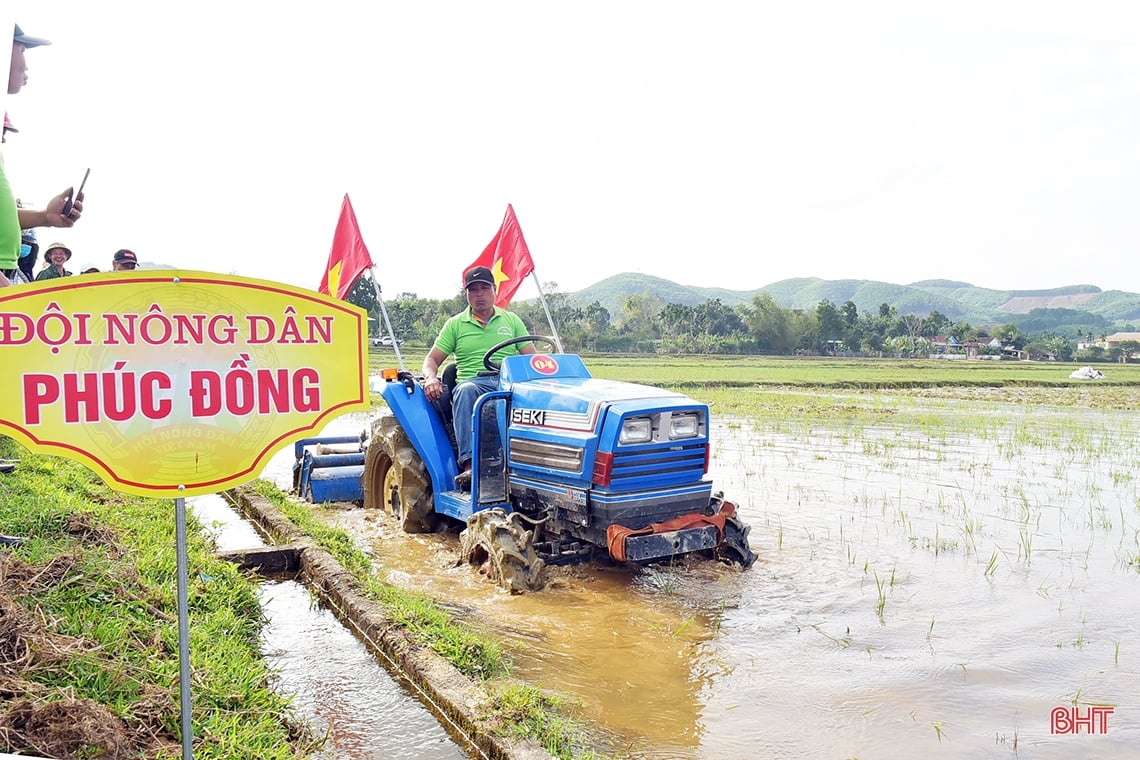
<point x="27" y="40"/>
<point x="88" y="268"/>
<point x="61" y="247"/>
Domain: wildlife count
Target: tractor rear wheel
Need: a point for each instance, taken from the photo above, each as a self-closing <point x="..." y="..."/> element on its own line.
<point x="502" y="546"/>
<point x="395" y="478"/>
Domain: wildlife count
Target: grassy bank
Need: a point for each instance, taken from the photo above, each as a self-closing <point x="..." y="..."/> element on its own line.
<point x="89" y="639"/>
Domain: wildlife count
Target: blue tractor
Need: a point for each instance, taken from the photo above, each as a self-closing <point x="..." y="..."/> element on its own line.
<point x="567" y="466"/>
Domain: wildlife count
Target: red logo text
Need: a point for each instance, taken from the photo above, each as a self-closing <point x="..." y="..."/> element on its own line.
<point x="1070" y="720"/>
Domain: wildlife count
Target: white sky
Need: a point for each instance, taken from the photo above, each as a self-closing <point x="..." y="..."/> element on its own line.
<point x="729" y="144"/>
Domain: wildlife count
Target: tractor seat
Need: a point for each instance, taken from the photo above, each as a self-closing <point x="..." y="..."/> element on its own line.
<point x="447" y="377"/>
<point x="443" y="405"/>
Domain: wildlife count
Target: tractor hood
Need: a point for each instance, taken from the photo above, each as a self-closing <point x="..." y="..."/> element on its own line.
<point x="558" y="387"/>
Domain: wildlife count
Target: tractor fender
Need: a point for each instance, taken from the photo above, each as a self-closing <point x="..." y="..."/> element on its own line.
<point x="425" y="431"/>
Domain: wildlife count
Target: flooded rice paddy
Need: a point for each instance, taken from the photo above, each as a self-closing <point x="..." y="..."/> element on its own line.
<point x="936" y="574"/>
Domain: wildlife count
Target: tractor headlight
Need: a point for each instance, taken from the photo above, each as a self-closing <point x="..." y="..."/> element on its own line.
<point x="636" y="430"/>
<point x="684" y="426"/>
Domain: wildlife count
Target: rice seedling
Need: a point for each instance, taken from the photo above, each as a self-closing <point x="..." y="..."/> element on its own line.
<point x="969" y="529"/>
<point x="991" y="567"/>
<point x="843" y="641"/>
<point x="1024" y="543"/>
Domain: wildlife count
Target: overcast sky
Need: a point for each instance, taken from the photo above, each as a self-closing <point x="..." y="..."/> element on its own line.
<point x="729" y="144"/>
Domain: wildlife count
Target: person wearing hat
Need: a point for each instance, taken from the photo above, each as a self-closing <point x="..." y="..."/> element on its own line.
<point x="468" y="336"/>
<point x="56" y="256"/>
<point x="124" y="261"/>
<point x="12" y="218"/>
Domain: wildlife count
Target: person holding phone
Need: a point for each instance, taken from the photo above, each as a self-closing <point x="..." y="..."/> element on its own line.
<point x="12" y="219"/>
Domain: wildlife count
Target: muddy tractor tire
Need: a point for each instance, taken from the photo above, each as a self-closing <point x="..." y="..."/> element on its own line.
<point x="502" y="546"/>
<point x="735" y="548"/>
<point x="395" y="478"/>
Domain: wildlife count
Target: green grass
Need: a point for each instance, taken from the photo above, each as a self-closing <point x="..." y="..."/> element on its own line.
<point x="103" y="585"/>
<point x="524" y="712"/>
<point x="845" y="373"/>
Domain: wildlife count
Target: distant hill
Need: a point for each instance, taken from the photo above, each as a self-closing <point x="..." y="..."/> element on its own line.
<point x="1083" y="306"/>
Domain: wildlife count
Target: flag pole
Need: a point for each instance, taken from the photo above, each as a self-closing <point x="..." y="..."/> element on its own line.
<point x="542" y="297"/>
<point x="387" y="322"/>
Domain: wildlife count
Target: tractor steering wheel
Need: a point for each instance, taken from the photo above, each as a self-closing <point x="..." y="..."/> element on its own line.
<point x="493" y="366"/>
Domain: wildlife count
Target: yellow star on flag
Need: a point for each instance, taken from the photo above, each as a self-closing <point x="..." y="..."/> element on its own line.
<point x="334" y="280"/>
<point x="500" y="275"/>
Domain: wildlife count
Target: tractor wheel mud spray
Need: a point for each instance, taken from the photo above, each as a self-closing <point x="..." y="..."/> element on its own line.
<point x="395" y="478"/>
<point x="502" y="546"/>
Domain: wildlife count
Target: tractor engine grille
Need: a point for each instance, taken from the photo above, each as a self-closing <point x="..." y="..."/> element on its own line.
<point x="676" y="464"/>
<point x="556" y="456"/>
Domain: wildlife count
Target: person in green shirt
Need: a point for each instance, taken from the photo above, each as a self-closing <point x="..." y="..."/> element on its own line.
<point x="13" y="219"/>
<point x="467" y="336"/>
<point x="57" y="255"/>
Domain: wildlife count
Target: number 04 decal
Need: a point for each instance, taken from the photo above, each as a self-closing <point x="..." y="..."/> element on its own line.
<point x="546" y="365"/>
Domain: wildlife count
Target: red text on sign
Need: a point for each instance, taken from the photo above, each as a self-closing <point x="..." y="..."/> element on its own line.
<point x="119" y="395"/>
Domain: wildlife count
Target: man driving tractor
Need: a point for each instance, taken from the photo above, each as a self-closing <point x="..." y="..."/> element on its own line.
<point x="468" y="336"/>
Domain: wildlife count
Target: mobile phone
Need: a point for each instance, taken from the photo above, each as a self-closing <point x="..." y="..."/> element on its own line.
<point x="71" y="198"/>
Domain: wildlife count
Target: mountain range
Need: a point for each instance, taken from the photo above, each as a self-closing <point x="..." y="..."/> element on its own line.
<point x="1083" y="307"/>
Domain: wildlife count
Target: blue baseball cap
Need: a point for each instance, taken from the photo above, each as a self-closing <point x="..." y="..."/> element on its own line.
<point x="26" y="41"/>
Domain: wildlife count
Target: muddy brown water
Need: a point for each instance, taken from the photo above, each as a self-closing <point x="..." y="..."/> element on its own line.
<point x="926" y="589"/>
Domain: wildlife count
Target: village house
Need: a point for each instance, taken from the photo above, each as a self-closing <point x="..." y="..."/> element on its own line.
<point x="1114" y="340"/>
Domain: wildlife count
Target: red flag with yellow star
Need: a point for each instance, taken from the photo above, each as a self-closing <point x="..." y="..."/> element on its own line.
<point x="508" y="257"/>
<point x="349" y="256"/>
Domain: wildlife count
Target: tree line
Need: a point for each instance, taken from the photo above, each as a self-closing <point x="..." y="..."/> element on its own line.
<point x="645" y="325"/>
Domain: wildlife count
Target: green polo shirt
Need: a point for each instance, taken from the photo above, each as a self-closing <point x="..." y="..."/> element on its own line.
<point x="464" y="337"/>
<point x="9" y="223"/>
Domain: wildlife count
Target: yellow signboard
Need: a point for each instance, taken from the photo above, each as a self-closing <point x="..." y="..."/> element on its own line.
<point x="175" y="383"/>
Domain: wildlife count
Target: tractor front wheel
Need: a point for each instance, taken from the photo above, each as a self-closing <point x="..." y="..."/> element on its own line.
<point x="500" y="545"/>
<point x="735" y="546"/>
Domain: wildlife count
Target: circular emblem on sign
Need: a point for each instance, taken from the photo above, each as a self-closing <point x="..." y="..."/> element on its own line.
<point x="543" y="364"/>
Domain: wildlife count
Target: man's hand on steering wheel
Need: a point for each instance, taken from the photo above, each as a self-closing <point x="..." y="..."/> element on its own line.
<point x="494" y="366"/>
